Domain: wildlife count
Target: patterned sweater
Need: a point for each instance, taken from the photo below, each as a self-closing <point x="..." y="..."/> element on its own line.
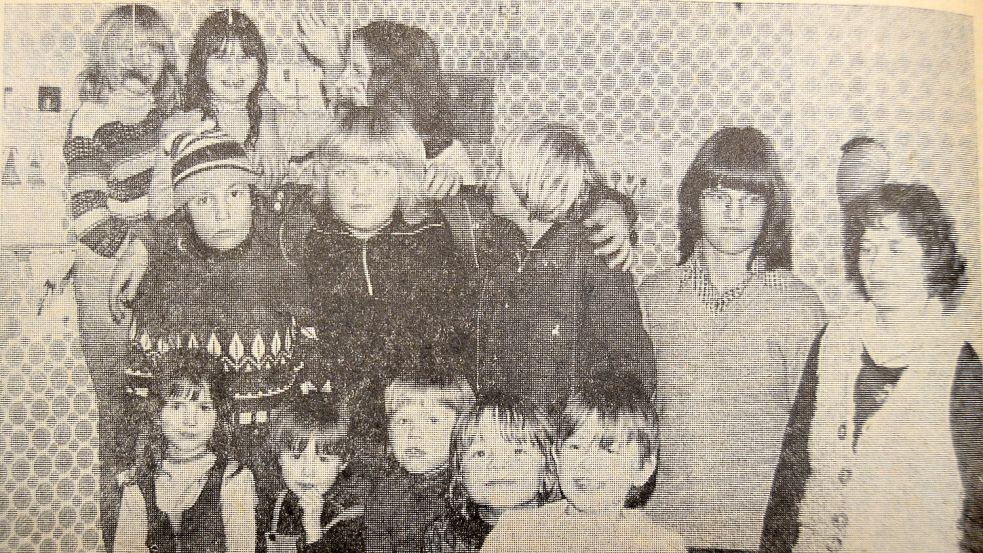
<point x="243" y="305"/>
<point x="110" y="174"/>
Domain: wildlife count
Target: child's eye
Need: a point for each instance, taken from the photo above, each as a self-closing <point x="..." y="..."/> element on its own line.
<point x="478" y="453"/>
<point x="201" y="200"/>
<point x="208" y="407"/>
<point x="436" y="420"/>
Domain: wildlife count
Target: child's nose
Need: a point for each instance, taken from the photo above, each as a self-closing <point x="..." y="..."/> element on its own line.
<point x="352" y="86"/>
<point x="139" y="55"/>
<point x="307" y="463"/>
<point x="221" y="209"/>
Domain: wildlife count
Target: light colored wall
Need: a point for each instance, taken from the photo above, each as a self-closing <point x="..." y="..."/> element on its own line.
<point x="646" y="83"/>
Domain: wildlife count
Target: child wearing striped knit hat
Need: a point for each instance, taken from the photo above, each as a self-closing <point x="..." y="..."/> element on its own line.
<point x="216" y="280"/>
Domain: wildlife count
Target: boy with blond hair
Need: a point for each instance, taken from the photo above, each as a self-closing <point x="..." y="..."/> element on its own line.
<point x="377" y="280"/>
<point x="423" y="403"/>
<point x="546" y="300"/>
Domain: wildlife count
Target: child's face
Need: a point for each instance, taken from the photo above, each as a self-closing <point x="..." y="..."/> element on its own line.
<point x="500" y="473"/>
<point x="309" y="473"/>
<point x="223" y="215"/>
<point x="595" y="474"/>
<point x="187" y="422"/>
<point x="420" y="434"/>
<point x="231" y="74"/>
<point x="732" y="219"/>
<point x="363" y="194"/>
<point x="137" y="62"/>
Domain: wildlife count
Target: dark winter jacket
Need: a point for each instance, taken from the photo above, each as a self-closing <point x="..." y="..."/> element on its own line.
<point x="549" y="311"/>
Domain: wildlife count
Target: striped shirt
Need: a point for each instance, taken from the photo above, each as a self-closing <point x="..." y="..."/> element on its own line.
<point x="110" y="173"/>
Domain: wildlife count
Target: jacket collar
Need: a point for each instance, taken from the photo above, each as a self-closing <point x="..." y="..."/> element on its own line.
<point x="554" y="248"/>
<point x="326" y="223"/>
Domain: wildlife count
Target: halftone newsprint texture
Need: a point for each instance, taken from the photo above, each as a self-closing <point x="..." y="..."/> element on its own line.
<point x="646" y="85"/>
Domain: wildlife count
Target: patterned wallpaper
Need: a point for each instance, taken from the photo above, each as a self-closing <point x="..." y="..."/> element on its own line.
<point x="646" y="82"/>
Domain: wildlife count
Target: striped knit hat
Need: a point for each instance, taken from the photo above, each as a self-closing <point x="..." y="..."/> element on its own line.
<point x="196" y="152"/>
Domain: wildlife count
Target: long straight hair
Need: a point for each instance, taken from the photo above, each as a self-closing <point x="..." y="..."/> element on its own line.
<point x="95" y="78"/>
<point x="742" y="159"/>
<point x="406" y="78"/>
<point x="214" y="36"/>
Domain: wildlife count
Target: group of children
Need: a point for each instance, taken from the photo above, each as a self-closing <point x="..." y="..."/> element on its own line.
<point x="302" y="375"/>
<point x="492" y="473"/>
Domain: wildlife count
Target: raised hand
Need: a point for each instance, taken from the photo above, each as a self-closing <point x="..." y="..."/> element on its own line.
<point x="441" y="182"/>
<point x="322" y="42"/>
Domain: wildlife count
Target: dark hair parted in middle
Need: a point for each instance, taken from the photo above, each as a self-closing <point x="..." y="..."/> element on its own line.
<point x="923" y="217"/>
<point x="406" y="78"/>
<point x="180" y="373"/>
<point x="214" y="36"/>
<point x="742" y="159"/>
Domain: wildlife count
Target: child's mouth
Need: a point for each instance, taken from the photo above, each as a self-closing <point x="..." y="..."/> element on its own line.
<point x="305" y="486"/>
<point x="136" y="75"/>
<point x="415" y="452"/>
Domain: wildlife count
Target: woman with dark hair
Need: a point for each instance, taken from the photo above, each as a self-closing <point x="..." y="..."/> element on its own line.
<point x="396" y="67"/>
<point x="882" y="448"/>
<point x="731" y="325"/>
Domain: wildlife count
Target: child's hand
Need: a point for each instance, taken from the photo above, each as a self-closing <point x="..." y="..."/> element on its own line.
<point x="322" y="42"/>
<point x="125" y="279"/>
<point x="441" y="182"/>
<point x="611" y="234"/>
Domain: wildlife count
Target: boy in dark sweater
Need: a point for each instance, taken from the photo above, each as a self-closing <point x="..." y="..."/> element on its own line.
<point x="216" y="281"/>
<point x="547" y="302"/>
<point x="422" y="405"/>
<point x="376" y="280"/>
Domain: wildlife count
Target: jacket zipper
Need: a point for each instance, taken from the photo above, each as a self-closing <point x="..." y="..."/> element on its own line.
<point x="365" y="266"/>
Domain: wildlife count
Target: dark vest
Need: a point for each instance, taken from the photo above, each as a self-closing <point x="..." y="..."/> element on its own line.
<point x="201" y="531"/>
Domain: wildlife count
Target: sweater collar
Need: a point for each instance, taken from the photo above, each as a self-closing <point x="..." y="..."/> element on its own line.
<point x="696" y="275"/>
<point x="893" y="345"/>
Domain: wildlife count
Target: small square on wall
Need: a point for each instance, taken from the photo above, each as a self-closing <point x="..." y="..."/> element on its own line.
<point x="49" y="98"/>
